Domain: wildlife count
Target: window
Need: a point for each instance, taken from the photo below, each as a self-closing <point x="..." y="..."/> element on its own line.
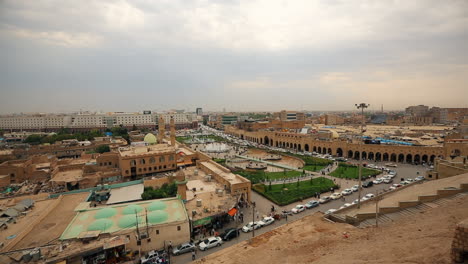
<point x="171" y="157"/>
<point x="178" y="228"/>
<point x="126" y="172"/>
<point x="133" y="163"/>
<point x="139" y="169"/>
<point x="161" y="159"/>
<point x="157" y="231"/>
<point x="152" y="160"/>
<point x="164" y="166"/>
<point x="142" y="161"/>
<point x="155" y="168"/>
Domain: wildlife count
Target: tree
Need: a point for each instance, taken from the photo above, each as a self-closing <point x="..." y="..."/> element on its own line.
<point x="33" y="139"/>
<point x="102" y="148"/>
<point x="269" y="187"/>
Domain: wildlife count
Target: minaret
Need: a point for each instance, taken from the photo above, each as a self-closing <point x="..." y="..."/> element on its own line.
<point x="161" y="128"/>
<point x="172" y="131"/>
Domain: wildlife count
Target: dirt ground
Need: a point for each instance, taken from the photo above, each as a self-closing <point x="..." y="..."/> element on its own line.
<point x="424" y="238"/>
<point x="52" y="226"/>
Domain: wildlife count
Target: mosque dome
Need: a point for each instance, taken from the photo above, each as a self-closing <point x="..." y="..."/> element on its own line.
<point x="150" y="139"/>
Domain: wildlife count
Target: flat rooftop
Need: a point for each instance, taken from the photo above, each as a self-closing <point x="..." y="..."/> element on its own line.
<point x="68" y="176"/>
<point x="231" y="177"/>
<point x="154" y="149"/>
<point x="120" y="217"/>
<point x="126" y="194"/>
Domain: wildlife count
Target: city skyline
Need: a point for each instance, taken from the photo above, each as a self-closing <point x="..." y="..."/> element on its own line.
<point x="242" y="56"/>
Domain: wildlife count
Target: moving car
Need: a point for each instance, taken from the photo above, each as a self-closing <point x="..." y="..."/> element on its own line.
<point x="299" y="208"/>
<point x="312" y="204"/>
<point x="251" y="226"/>
<point x="347" y="192"/>
<point x="324" y="199"/>
<point x="267" y="220"/>
<point x="210" y="243"/>
<point x="336" y="196"/>
<point x="184" y="248"/>
<point x="229" y="234"/>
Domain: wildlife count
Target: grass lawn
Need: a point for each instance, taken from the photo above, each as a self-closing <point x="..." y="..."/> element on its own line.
<point x="257" y="176"/>
<point x="283" y="194"/>
<point x="352" y="172"/>
<point x="313" y="167"/>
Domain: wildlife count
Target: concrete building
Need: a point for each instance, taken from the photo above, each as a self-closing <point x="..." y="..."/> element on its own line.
<point x="331" y="120"/>
<point x="418" y="110"/>
<point x="148" y="225"/>
<point x="199" y="111"/>
<point x="289" y="115"/>
<point x="88" y="121"/>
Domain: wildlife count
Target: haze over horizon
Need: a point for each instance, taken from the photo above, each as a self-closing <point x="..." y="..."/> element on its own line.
<point x="62" y="56"/>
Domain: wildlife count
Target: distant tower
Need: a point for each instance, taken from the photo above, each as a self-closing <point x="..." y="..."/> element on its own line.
<point x="162" y="129"/>
<point x="172" y="131"/>
<point x="382" y="108"/>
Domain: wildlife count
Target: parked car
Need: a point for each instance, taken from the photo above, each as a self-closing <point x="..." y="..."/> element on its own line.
<point x="419" y="178"/>
<point x="184" y="248"/>
<point x="367" y="184"/>
<point x="210" y="243"/>
<point x="229" y="234"/>
<point x="149" y="257"/>
<point x="312" y="204"/>
<point x="345" y="205"/>
<point x="377" y="181"/>
<point x="347" y="192"/>
<point x="299" y="208"/>
<point x="391" y="165"/>
<point x="388" y="180"/>
<point x="267" y="221"/>
<point x="251" y="226"/>
<point x="336" y="196"/>
<point x="355" y="188"/>
<point x="330" y="211"/>
<point x="369" y="195"/>
<point x="324" y="199"/>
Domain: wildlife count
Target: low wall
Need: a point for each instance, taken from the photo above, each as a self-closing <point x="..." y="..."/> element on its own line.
<point x="447" y="192"/>
<point x="407" y="204"/>
<point x="428" y="198"/>
<point x="388" y="210"/>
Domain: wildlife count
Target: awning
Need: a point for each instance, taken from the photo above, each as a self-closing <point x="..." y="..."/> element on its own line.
<point x="232" y="212"/>
<point x="203" y="221"/>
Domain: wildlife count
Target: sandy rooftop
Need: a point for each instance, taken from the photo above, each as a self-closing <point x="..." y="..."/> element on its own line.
<point x="424" y="238"/>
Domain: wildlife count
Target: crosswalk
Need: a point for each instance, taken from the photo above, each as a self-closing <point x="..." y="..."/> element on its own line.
<point x="388" y="218"/>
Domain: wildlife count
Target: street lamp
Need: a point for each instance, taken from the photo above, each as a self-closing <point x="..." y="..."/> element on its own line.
<point x="361" y="106"/>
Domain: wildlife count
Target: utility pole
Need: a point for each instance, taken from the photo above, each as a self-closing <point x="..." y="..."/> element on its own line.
<point x="361" y="106"/>
<point x="253" y="220"/>
<point x="377" y="199"/>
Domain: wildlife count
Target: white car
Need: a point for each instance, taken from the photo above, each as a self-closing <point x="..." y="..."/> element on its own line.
<point x="369" y="195"/>
<point x="210" y="242"/>
<point x="355" y="188"/>
<point x="419" y="178"/>
<point x="409" y="180"/>
<point x="251" y="226"/>
<point x="336" y="196"/>
<point x="387" y="180"/>
<point x="377" y="181"/>
<point x="149" y="257"/>
<point x="267" y="221"/>
<point x="330" y="211"/>
<point x="345" y="205"/>
<point x="299" y="208"/>
<point x="347" y="192"/>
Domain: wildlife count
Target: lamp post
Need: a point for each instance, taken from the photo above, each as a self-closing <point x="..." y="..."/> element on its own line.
<point x="361" y="106"/>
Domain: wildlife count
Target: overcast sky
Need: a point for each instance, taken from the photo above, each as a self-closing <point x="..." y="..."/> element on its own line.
<point x="239" y="55"/>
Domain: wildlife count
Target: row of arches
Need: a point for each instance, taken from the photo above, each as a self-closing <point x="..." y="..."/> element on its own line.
<point x="377" y="156"/>
<point x="393" y="157"/>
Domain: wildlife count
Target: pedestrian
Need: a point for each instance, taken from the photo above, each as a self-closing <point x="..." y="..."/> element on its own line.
<point x="170" y="246"/>
<point x="212" y="231"/>
<point x="193" y="254"/>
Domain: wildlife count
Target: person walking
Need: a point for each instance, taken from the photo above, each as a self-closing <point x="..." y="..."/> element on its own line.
<point x="193" y="254"/>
